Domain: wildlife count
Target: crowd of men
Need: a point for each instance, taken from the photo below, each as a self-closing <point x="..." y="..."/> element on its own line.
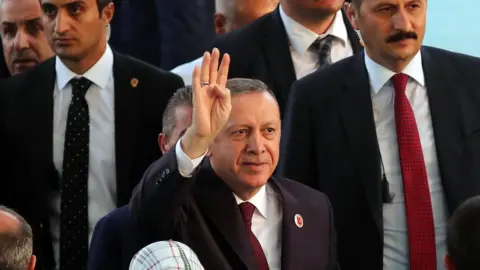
<point x="310" y="135"/>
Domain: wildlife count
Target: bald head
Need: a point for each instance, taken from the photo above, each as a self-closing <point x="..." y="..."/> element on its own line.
<point x="234" y="14"/>
<point x="9" y="223"/>
<point x="16" y="244"/>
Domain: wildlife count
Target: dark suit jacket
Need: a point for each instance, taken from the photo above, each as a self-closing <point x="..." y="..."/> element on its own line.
<point x="261" y="51"/>
<point x="164" y="33"/>
<point x="202" y="213"/>
<point x="329" y="143"/>
<point x="27" y="138"/>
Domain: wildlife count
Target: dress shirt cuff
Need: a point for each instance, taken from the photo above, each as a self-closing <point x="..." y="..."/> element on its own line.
<point x="186" y="166"/>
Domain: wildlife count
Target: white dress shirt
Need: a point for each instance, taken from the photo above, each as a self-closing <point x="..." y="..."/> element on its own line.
<point x="267" y="218"/>
<point x="305" y="58"/>
<point x="102" y="192"/>
<point x="396" y="250"/>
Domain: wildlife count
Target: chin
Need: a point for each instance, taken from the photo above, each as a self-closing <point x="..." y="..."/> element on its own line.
<point x="255" y="180"/>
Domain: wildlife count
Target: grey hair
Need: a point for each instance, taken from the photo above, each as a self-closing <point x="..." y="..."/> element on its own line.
<point x="240" y="86"/>
<point x="182" y="97"/>
<point x="16" y="248"/>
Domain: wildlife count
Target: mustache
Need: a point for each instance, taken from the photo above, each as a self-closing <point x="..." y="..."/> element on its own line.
<point x="401" y="36"/>
<point x="24" y="55"/>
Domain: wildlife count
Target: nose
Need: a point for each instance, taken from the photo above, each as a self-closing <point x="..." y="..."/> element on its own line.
<point x="61" y="23"/>
<point x="401" y="21"/>
<point x="21" y="40"/>
<point x="255" y="143"/>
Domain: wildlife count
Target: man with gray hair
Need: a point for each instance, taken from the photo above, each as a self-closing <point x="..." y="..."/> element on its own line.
<point x="16" y="245"/>
<point x="177" y="117"/>
<point x="227" y="207"/>
<point x="24" y="42"/>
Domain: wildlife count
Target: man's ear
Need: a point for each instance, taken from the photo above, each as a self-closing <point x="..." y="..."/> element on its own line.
<point x="162" y="143"/>
<point x="220" y="22"/>
<point x="32" y="263"/>
<point x="107" y="13"/>
<point x="352" y="14"/>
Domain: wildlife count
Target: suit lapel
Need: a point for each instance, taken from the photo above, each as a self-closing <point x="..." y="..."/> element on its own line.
<point x="225" y="216"/>
<point x="357" y="116"/>
<point x="126" y="119"/>
<point x="293" y="237"/>
<point x="276" y="48"/>
<point x="445" y="123"/>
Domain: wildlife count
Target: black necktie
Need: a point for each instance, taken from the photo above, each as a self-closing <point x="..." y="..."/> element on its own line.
<point x="74" y="188"/>
<point x="323" y="47"/>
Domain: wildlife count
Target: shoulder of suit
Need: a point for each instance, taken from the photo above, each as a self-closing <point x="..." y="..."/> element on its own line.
<point x="459" y="65"/>
<point x="118" y="216"/>
<point x="143" y="68"/>
<point x="327" y="79"/>
<point x="299" y="190"/>
<point x="247" y="34"/>
<point x="41" y="72"/>
<point x="438" y="53"/>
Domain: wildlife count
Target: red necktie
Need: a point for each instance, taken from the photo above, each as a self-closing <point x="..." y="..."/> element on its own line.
<point x="421" y="232"/>
<point x="247" y="211"/>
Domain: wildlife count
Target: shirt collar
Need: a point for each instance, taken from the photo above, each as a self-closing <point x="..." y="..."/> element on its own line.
<point x="380" y="75"/>
<point x="260" y="201"/>
<point x="301" y="38"/>
<point x="96" y="74"/>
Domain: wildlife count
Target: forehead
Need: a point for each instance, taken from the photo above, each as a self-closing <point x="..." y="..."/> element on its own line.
<point x="390" y="2"/>
<point x="8" y="222"/>
<point x="254" y="108"/>
<point x="183" y="112"/>
<point x="20" y="10"/>
<point x="60" y="3"/>
<point x="255" y="5"/>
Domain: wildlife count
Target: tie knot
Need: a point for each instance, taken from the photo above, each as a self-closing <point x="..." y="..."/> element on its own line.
<point x="399" y="82"/>
<point x="323" y="43"/>
<point x="323" y="48"/>
<point x="80" y="86"/>
<point x="247" y="211"/>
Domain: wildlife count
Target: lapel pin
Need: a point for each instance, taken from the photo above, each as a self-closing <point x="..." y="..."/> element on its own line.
<point x="134" y="82"/>
<point x="298" y="220"/>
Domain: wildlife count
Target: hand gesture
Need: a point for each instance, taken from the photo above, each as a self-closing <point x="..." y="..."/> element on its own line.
<point x="211" y="103"/>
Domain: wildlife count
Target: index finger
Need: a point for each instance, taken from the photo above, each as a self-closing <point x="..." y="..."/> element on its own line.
<point x="223" y="71"/>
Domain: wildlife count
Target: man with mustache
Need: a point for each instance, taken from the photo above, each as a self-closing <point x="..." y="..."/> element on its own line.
<point x="23" y="38"/>
<point x="77" y="131"/>
<point x="391" y="136"/>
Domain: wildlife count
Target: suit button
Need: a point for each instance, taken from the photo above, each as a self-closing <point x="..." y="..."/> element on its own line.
<point x="41" y="225"/>
<point x="167" y="171"/>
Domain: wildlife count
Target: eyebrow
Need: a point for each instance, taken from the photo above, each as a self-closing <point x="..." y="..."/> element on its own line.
<point x="8" y="23"/>
<point x="65" y="4"/>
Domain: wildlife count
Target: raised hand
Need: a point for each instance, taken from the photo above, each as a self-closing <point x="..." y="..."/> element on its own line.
<point x="211" y="104"/>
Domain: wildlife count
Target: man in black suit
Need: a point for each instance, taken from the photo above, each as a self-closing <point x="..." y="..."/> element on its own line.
<point x="391" y="136"/>
<point x="78" y="131"/>
<point x="228" y="208"/>
<point x="296" y="39"/>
